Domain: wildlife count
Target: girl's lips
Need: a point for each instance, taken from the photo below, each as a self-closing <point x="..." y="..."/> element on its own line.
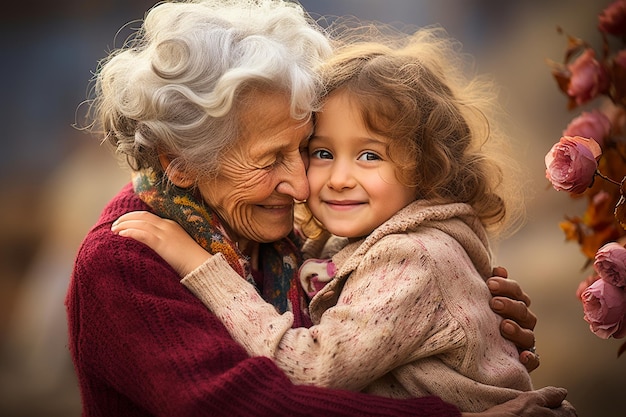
<point x="343" y="204"/>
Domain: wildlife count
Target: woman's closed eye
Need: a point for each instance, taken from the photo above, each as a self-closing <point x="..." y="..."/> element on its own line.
<point x="268" y="166"/>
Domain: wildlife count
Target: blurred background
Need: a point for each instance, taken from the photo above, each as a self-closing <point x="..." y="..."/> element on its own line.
<point x="55" y="179"/>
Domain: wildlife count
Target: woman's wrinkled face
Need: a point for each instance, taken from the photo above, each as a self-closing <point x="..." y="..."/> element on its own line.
<point x="262" y="175"/>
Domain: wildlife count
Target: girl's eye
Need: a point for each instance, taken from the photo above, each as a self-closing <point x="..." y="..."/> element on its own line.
<point x="321" y="154"/>
<point x="369" y="156"/>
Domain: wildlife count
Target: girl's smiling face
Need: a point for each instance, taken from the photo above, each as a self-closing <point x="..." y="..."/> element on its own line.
<point x="353" y="183"/>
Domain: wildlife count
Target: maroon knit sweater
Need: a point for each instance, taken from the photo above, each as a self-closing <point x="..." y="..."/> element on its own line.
<point x="143" y="345"/>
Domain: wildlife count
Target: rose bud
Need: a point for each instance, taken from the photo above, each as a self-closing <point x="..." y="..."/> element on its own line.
<point x="595" y="125"/>
<point x="604" y="306"/>
<point x="613" y="19"/>
<point x="588" y="78"/>
<point x="610" y="264"/>
<point x="572" y="163"/>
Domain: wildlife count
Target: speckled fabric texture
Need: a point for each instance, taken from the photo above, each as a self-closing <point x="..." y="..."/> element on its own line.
<point x="144" y="346"/>
<point x="407" y="315"/>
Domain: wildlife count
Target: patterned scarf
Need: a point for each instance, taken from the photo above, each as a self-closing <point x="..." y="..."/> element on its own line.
<point x="280" y="260"/>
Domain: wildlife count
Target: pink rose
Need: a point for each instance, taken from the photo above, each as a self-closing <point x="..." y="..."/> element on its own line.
<point x="613" y="19"/>
<point x="605" y="309"/>
<point x="571" y="163"/>
<point x="585" y="284"/>
<point x="610" y="264"/>
<point x="588" y="78"/>
<point x="595" y="125"/>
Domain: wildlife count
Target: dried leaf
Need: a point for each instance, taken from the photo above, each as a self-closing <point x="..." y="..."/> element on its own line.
<point x="562" y="77"/>
<point x="574" y="47"/>
<point x="594" y="239"/>
<point x="571" y="229"/>
<point x="599" y="212"/>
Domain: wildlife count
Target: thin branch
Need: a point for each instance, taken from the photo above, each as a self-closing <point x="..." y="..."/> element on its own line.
<point x="604" y="177"/>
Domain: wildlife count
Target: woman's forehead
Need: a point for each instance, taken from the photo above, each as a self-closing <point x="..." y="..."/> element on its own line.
<point x="268" y="114"/>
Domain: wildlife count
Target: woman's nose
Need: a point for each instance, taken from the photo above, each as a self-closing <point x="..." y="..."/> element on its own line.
<point x="294" y="182"/>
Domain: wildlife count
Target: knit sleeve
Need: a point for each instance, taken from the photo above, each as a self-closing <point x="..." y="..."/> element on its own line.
<point x="388" y="313"/>
<point x="144" y="345"/>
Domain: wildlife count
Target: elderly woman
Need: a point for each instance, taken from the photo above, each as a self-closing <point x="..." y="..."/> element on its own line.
<point x="211" y="106"/>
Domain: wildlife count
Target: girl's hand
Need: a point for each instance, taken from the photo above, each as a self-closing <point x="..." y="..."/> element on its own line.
<point x="165" y="237"/>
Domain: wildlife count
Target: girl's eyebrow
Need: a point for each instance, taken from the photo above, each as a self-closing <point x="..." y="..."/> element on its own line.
<point x="366" y="140"/>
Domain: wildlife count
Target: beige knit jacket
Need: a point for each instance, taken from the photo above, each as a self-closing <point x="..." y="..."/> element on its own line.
<point x="406" y="315"/>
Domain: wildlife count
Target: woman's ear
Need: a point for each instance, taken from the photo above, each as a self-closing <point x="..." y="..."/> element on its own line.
<point x="175" y="175"/>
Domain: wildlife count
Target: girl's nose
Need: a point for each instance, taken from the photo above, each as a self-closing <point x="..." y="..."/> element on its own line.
<point x="341" y="176"/>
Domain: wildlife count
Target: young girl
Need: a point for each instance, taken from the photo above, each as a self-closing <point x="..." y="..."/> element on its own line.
<point x="398" y="165"/>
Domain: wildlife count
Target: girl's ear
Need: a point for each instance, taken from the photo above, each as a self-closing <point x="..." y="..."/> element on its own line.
<point x="175" y="175"/>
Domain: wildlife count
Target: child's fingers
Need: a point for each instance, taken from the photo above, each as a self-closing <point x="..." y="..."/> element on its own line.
<point x="139" y="235"/>
<point x="143" y="220"/>
<point x="140" y="230"/>
<point x="126" y="224"/>
<point x="139" y="216"/>
<point x="147" y="228"/>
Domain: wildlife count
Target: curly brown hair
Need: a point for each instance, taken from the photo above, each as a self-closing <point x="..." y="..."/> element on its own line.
<point x="413" y="91"/>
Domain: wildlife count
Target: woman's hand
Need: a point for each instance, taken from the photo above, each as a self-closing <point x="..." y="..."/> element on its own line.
<point x="165" y="237"/>
<point x="544" y="402"/>
<point x="510" y="302"/>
